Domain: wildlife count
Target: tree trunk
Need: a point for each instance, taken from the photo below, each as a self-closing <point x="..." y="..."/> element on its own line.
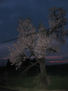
<point x="43" y="72"/>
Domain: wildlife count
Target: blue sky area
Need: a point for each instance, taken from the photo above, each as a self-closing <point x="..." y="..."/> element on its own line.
<point x="37" y="10"/>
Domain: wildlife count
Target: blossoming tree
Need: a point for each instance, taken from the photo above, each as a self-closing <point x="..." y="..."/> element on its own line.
<point x="38" y="43"/>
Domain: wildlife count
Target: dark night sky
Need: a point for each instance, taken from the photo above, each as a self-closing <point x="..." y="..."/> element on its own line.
<point x="37" y="10"/>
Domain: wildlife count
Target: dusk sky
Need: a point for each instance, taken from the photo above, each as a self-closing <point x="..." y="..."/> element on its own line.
<point x="37" y="10"/>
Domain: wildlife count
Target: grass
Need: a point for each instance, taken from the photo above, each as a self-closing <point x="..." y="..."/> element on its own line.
<point x="33" y="83"/>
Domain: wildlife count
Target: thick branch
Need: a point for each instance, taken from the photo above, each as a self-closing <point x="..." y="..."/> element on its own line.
<point x="29" y="67"/>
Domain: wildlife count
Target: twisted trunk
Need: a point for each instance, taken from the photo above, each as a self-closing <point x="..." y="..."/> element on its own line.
<point x="43" y="72"/>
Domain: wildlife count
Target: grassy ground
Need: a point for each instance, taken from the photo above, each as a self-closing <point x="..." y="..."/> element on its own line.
<point x="33" y="83"/>
<point x="57" y="81"/>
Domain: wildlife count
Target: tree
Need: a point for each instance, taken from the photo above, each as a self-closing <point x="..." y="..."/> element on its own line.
<point x="47" y="39"/>
<point x="38" y="43"/>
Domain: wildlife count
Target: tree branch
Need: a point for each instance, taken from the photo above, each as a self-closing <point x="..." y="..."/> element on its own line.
<point x="29" y="67"/>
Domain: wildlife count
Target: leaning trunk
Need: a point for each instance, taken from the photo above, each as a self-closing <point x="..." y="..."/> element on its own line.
<point x="43" y="72"/>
